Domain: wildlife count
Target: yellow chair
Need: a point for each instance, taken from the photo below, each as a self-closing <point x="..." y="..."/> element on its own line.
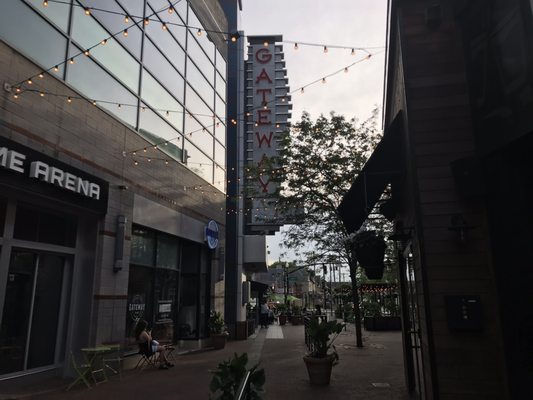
<point x="113" y="359"/>
<point x="82" y="371"/>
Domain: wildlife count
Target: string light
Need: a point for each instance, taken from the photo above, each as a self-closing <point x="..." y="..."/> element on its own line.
<point x="86" y="52"/>
<point x="15" y="96"/>
<point x="41" y="75"/>
<point x="164" y="26"/>
<point x="170" y="10"/>
<point x="125" y="33"/>
<point x="126" y="19"/>
<point x="71" y="61"/>
<point x="87" y="11"/>
<point x="323" y="80"/>
<point x="199" y="32"/>
<point x="69" y="99"/>
<point x="346" y="70"/>
<point x="45" y="3"/>
<point x="295" y="46"/>
<point x="29" y="81"/>
<point x="56" y="68"/>
<point x="41" y="94"/>
<point x="302" y="90"/>
<point x="353" y="52"/>
<point x="103" y="42"/>
<point x="325" y="49"/>
<point x="265" y="44"/>
<point x="146" y="21"/>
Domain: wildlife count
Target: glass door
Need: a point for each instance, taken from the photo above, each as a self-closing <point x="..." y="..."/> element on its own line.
<point x="30" y="319"/>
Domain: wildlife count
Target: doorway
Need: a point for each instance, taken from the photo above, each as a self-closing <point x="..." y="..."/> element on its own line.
<point x="34" y="306"/>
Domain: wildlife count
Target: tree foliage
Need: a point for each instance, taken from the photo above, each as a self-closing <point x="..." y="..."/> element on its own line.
<point x="318" y="162"/>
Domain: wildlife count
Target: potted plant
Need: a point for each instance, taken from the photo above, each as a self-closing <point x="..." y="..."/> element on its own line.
<point x="217" y="330"/>
<point x="320" y="360"/>
<point x="229" y="376"/>
<point x="369" y="249"/>
<point x="297" y="318"/>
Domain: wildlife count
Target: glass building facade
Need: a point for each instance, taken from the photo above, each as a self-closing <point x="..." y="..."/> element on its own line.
<point x="158" y="71"/>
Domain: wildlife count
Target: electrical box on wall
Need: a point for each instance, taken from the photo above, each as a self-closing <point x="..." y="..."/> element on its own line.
<point x="464" y="313"/>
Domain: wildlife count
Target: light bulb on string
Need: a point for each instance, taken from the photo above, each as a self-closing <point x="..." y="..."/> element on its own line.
<point x="368" y="56"/>
<point x="353" y="52"/>
<point x="87" y="53"/>
<point x="56" y="68"/>
<point x="170" y="10"/>
<point x="325" y="49"/>
<point x="346" y="70"/>
<point x="15" y="96"/>
<point x="265" y="43"/>
<point x="295" y="46"/>
<point x="199" y="32"/>
<point x="136" y="162"/>
<point x="29" y="81"/>
<point x="146" y="21"/>
<point x="45" y="3"/>
<point x="125" y="33"/>
<point x="71" y="61"/>
<point x="103" y="42"/>
<point x="126" y="19"/>
<point x="41" y="94"/>
<point x="41" y="75"/>
<point x="323" y="80"/>
<point x="87" y="11"/>
<point x="69" y="99"/>
<point x="164" y="26"/>
<point x="302" y="90"/>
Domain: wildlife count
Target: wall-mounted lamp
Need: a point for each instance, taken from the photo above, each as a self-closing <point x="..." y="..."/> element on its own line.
<point x="460" y="227"/>
<point x="119" y="242"/>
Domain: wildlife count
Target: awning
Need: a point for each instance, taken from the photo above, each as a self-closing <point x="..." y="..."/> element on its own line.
<point x="383" y="165"/>
<point x="258" y="287"/>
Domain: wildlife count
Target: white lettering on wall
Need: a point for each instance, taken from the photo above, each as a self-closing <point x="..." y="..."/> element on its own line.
<point x="12" y="160"/>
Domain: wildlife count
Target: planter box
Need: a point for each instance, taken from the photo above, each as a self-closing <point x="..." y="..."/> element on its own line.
<point x="383" y="323"/>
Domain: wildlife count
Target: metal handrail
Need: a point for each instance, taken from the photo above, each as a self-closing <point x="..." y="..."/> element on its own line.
<point x="242" y="391"/>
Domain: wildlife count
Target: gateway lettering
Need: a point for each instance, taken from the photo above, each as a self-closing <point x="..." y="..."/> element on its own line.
<point x="14" y="161"/>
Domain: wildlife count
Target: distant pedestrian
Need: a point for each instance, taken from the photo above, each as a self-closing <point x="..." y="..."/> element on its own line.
<point x="264" y="314"/>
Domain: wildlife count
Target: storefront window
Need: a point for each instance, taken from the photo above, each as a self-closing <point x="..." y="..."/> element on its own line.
<point x="37" y="225"/>
<point x="3" y="207"/>
<point x="142" y="246"/>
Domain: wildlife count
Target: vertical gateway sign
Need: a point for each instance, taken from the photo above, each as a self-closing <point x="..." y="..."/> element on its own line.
<point x="268" y="111"/>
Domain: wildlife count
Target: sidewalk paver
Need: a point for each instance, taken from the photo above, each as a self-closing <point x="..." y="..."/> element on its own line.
<point x="373" y="372"/>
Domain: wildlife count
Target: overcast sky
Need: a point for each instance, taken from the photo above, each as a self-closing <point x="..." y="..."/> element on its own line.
<point x="351" y="23"/>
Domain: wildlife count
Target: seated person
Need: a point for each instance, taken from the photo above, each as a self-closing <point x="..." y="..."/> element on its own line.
<point x="148" y="346"/>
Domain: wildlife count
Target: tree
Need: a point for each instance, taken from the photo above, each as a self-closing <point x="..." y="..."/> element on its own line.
<point x="317" y="163"/>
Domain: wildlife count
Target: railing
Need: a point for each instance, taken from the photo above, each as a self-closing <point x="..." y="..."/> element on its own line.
<point x="307" y="321"/>
<point x="242" y="391"/>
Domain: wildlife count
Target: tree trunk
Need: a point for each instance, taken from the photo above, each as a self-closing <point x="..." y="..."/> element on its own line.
<point x="357" y="310"/>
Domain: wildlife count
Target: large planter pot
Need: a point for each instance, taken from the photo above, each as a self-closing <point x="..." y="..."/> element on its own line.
<point x="319" y="369"/>
<point x="218" y="341"/>
<point x="282" y="319"/>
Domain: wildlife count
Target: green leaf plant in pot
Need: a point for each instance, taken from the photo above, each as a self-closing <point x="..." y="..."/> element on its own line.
<point x="323" y="355"/>
<point x="228" y="380"/>
<point x="217" y="330"/>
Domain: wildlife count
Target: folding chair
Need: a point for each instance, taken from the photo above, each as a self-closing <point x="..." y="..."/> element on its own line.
<point x="113" y="360"/>
<point x="82" y="371"/>
<point x="148" y="358"/>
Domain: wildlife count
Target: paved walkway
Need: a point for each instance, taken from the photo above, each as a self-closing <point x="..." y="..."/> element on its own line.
<point x="373" y="372"/>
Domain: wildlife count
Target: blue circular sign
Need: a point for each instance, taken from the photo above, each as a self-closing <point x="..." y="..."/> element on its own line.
<point x="211" y="234"/>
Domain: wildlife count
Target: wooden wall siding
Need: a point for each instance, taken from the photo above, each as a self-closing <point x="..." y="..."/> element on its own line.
<point x="440" y="128"/>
